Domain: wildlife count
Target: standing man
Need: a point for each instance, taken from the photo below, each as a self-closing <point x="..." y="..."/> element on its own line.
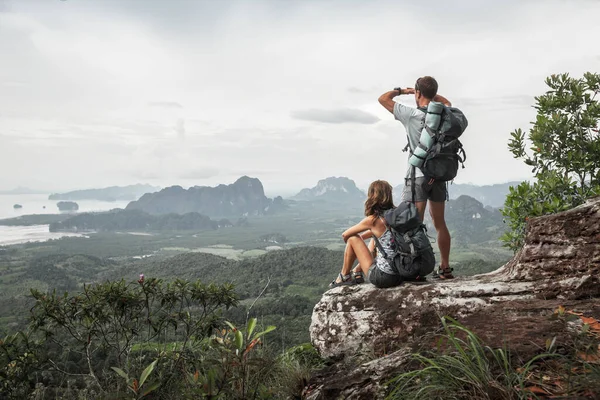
<point x="426" y="190"/>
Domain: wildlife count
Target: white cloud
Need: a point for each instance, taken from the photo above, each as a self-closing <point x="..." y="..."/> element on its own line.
<point x="336" y="116"/>
<point x="191" y="93"/>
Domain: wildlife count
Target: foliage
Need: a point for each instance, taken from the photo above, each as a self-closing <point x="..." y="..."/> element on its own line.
<point x="147" y="339"/>
<point x="551" y="193"/>
<point x="298" y="365"/>
<point x="19" y="359"/>
<point x="299" y="276"/>
<point x="310" y="267"/>
<point x="233" y="367"/>
<point x="470" y="370"/>
<point x="463" y="367"/>
<point x="564" y="153"/>
<point x="137" y="385"/>
<point x="122" y="324"/>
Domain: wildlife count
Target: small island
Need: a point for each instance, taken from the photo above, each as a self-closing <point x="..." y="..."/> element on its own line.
<point x="67" y="206"/>
<point x="17" y="206"/>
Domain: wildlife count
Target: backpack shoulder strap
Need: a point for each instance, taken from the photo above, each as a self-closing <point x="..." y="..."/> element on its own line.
<point x="379" y="246"/>
<point x="413" y="181"/>
<point x="407" y="147"/>
<point x="377" y="242"/>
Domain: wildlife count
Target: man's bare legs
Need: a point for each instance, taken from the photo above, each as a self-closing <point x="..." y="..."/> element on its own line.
<point x="436" y="210"/>
<point x="356" y="249"/>
<point x="421" y="205"/>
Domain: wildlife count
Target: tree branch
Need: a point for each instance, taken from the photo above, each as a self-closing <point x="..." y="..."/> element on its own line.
<point x="260" y="294"/>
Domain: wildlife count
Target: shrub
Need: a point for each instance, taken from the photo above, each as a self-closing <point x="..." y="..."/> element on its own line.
<point x="564" y="153"/>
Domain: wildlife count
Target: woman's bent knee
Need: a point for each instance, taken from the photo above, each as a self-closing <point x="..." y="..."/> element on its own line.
<point x="354" y="239"/>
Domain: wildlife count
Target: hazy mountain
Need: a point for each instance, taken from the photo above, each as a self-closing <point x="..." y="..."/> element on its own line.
<point x="22" y="190"/>
<point x="333" y="189"/>
<point x="470" y="222"/>
<point x="136" y="220"/>
<point x="489" y="195"/>
<point x="113" y="193"/>
<point x="244" y="197"/>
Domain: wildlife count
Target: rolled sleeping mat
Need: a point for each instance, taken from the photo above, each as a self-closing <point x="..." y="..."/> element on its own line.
<point x="432" y="120"/>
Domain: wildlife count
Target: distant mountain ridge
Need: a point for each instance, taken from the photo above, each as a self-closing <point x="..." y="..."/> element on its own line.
<point x="245" y="196"/>
<point x="112" y="193"/>
<point x="488" y="195"/>
<point x="470" y="222"/>
<point x="136" y="220"/>
<point x="334" y="189"/>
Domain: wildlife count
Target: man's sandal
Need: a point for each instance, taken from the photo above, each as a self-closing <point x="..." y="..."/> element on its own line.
<point x="443" y="273"/>
<point x="344" y="281"/>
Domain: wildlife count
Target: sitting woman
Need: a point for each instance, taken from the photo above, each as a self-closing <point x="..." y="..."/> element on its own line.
<point x="375" y="267"/>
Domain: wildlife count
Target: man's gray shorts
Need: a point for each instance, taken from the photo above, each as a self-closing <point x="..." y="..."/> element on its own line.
<point x="437" y="191"/>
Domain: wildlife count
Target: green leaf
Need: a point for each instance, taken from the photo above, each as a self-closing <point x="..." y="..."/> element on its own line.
<point x="251" y="326"/>
<point x="269" y="329"/>
<point x="233" y="328"/>
<point x="147" y="372"/>
<point x="239" y="340"/>
<point x="120" y="372"/>
<point x="151" y="388"/>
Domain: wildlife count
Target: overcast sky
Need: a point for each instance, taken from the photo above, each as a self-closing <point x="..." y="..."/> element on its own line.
<point x="112" y="92"/>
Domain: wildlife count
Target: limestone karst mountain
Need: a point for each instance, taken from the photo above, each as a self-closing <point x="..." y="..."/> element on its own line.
<point x="245" y="196"/>
<point x="333" y="189"/>
<point x="471" y="222"/>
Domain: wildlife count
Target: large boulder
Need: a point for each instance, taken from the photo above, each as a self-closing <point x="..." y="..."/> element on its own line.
<point x="559" y="265"/>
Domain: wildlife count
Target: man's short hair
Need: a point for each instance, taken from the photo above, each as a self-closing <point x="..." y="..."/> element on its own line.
<point x="428" y="87"/>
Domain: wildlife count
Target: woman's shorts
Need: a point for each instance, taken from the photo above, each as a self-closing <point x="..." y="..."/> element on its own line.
<point x="382" y="279"/>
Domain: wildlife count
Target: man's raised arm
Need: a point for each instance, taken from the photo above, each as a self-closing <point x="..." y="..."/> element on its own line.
<point x="387" y="99"/>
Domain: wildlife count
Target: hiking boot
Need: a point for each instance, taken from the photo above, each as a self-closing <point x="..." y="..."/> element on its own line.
<point x="445" y="273"/>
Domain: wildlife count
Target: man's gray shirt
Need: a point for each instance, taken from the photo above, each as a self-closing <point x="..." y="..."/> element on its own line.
<point x="413" y="120"/>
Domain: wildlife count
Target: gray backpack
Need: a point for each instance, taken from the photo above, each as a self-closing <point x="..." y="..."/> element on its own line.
<point x="412" y="258"/>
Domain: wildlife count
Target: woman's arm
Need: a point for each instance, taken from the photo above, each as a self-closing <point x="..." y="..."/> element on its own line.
<point x="365" y="224"/>
<point x="366" y="235"/>
<point x="372" y="247"/>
